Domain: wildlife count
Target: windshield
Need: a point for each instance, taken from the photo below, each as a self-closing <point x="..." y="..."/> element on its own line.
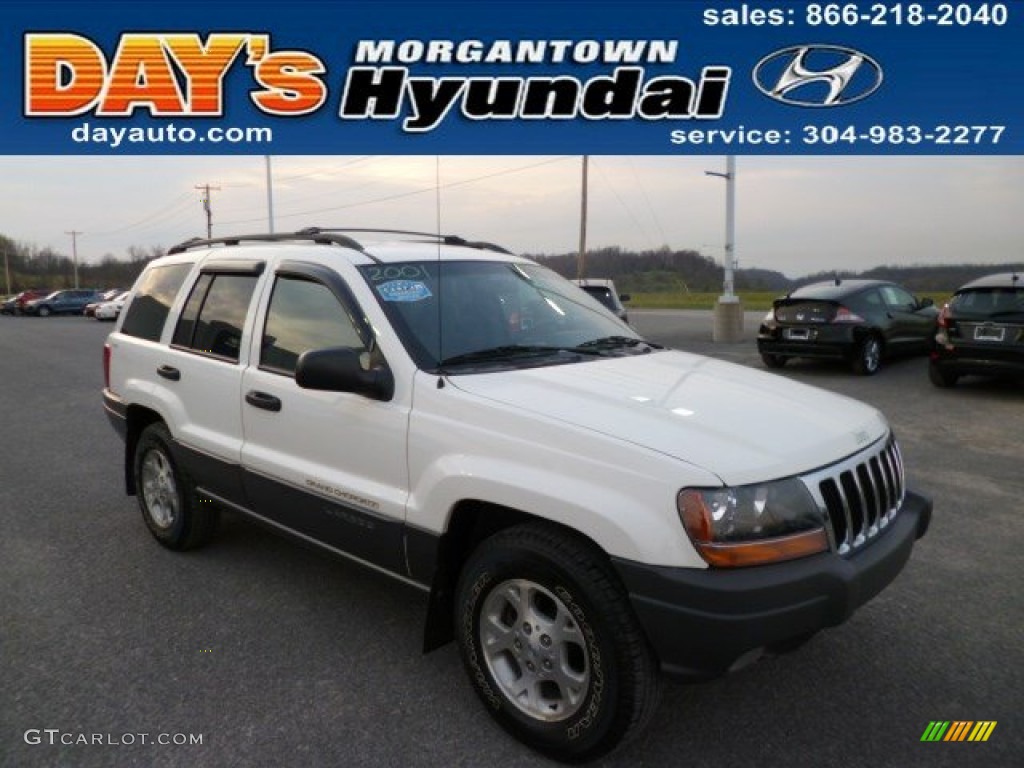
<point x="486" y="314"/>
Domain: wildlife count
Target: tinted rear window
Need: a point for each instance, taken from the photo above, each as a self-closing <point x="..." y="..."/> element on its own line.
<point x="153" y="299"/>
<point x="215" y="313"/>
<point x="989" y="301"/>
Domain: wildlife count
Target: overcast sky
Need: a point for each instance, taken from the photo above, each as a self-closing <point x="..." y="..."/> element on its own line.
<point x="796" y="215"/>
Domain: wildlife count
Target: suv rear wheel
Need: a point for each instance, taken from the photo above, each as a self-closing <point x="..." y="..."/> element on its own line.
<point x="773" y="361"/>
<point x="167" y="498"/>
<point x="550" y="643"/>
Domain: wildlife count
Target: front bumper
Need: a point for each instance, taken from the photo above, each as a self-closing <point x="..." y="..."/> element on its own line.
<point x="701" y="623"/>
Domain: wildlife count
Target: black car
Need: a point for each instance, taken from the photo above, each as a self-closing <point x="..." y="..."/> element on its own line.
<point x="859" y="321"/>
<point x="981" y="331"/>
<point x="70" y="302"/>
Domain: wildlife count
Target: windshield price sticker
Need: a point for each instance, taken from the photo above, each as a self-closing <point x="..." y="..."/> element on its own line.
<point x="404" y="290"/>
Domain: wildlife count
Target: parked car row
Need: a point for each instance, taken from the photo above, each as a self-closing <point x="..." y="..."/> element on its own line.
<point x="103" y="305"/>
<point x="15" y="304"/>
<point x="863" y="322"/>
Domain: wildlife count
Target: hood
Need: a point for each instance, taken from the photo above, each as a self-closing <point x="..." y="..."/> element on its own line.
<point x="741" y="424"/>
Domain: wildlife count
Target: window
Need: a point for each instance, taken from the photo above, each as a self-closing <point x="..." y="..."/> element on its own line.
<point x="897" y="297"/>
<point x="873" y="299"/>
<point x="152" y="302"/>
<point x="214" y="315"/>
<point x="187" y="322"/>
<point x="303" y="315"/>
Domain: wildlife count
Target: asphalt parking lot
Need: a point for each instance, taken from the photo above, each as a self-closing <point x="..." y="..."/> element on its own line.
<point x="279" y="656"/>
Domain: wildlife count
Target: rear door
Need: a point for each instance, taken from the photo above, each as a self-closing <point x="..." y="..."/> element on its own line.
<point x="200" y="374"/>
<point x="329" y="465"/>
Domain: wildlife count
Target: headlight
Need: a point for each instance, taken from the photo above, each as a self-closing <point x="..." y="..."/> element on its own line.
<point x="752" y="524"/>
<point x="770" y="317"/>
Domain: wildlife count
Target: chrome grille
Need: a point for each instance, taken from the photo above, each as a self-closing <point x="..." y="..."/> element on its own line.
<point x="860" y="496"/>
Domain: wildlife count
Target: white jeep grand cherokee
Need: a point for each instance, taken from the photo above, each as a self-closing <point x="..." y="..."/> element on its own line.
<point x="583" y="507"/>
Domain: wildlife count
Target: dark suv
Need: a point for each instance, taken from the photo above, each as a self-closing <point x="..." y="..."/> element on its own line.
<point x="981" y="331"/>
<point x="60" y="303"/>
<point x="860" y="321"/>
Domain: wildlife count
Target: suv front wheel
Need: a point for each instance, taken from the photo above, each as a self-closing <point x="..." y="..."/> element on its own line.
<point x="167" y="498"/>
<point x="550" y="643"/>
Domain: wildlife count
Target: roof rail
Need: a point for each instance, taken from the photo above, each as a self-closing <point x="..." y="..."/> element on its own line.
<point x="334" y="236"/>
<point x="317" y="236"/>
<point x="446" y="239"/>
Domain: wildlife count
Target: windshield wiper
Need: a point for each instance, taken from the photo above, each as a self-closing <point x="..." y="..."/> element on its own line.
<point x="608" y="343"/>
<point x="506" y="352"/>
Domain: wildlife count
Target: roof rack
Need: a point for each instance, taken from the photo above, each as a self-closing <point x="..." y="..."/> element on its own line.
<point x="446" y="239"/>
<point x="332" y="237"/>
<point x="322" y="238"/>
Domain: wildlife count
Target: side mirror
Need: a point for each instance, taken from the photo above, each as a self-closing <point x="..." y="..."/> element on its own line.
<point x="925" y="302"/>
<point x="624" y="297"/>
<point x="337" y="369"/>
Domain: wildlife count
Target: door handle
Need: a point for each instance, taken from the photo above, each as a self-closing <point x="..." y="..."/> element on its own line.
<point x="168" y="372"/>
<point x="263" y="400"/>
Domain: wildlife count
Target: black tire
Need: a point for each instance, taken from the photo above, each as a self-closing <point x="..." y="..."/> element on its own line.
<point x="773" y="361"/>
<point x="167" y="498"/>
<point x="940" y="378"/>
<point x="584" y="697"/>
<point x="868" y="357"/>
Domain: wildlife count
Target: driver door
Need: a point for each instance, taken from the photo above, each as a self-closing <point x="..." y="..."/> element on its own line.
<point x="328" y="465"/>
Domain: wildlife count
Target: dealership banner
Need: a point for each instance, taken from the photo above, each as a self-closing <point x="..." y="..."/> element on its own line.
<point x="554" y="77"/>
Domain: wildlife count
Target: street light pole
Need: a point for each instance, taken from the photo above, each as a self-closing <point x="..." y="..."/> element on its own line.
<point x="270" y="195"/>
<point x="729" y="310"/>
<point x="581" y="259"/>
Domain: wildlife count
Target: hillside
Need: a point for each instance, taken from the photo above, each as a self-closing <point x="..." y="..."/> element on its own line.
<point x="692" y="272"/>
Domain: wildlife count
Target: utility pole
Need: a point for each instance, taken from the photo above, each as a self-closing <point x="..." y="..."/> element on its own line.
<point x="270" y="196"/>
<point x="581" y="259"/>
<point x="7" y="272"/>
<point x="74" y="250"/>
<point x="206" y="188"/>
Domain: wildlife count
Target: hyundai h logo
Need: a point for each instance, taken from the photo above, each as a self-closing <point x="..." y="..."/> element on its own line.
<point x="817" y="75"/>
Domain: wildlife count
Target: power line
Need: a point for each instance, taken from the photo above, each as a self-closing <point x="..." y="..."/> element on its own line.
<point x="182" y="198"/>
<point x="626" y="208"/>
<point x="321" y="171"/>
<point x="387" y="198"/>
<point x="647" y="199"/>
